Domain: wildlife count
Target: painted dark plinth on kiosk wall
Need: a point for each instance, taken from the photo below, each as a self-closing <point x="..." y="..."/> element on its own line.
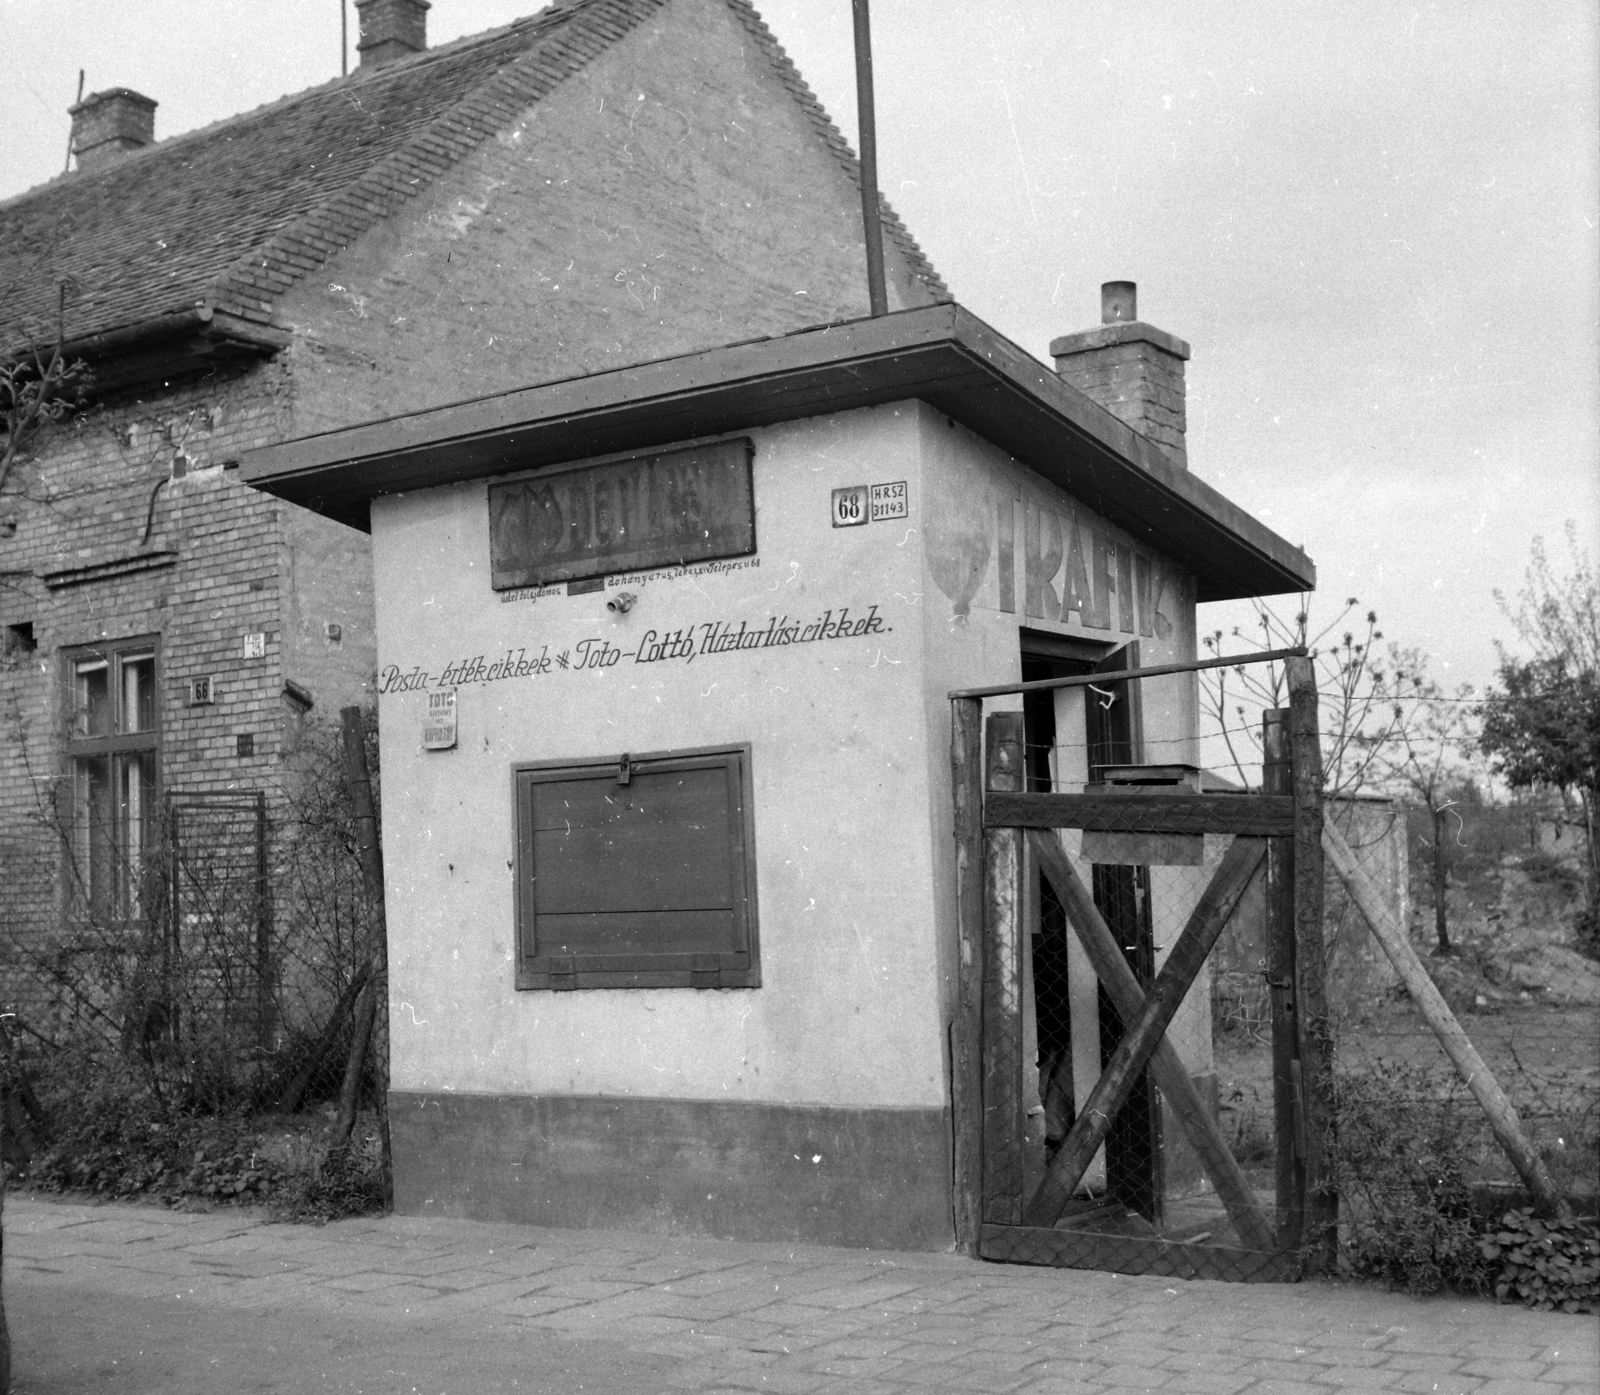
<point x="872" y="1177"/>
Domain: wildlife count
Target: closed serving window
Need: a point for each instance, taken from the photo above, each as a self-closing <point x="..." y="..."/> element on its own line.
<point x="637" y="872"/>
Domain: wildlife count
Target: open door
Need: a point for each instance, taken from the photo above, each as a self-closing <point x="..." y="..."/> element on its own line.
<point x="1071" y="736"/>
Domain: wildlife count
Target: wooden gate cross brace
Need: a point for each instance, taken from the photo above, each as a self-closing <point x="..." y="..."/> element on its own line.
<point x="1133" y="1053"/>
<point x="1146" y="1041"/>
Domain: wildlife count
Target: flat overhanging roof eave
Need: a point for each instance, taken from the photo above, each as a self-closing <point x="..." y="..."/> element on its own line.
<point x="941" y="355"/>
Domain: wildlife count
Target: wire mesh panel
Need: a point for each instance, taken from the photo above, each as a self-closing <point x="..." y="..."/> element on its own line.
<point x="221" y="926"/>
<point x="1408" y="1126"/>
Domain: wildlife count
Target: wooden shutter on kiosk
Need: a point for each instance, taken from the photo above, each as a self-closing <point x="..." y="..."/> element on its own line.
<point x="637" y="872"/>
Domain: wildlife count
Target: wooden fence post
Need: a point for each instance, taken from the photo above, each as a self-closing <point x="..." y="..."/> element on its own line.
<point x="966" y="1058"/>
<point x="1001" y="1044"/>
<point x="1288" y="1117"/>
<point x="5" y="1327"/>
<point x="353" y="732"/>
<point x="1316" y="1034"/>
<point x="263" y="910"/>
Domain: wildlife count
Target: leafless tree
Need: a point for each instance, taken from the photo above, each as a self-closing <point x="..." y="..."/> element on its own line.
<point x="1354" y="715"/>
<point x="1424" y="757"/>
<point x="39" y="385"/>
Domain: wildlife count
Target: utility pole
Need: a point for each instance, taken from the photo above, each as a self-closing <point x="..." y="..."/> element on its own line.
<point x="866" y="121"/>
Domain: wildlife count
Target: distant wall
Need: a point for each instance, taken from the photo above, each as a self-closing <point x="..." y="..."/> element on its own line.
<point x="1358" y="972"/>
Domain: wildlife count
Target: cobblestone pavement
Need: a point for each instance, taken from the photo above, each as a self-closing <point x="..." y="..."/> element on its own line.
<point x="127" y="1298"/>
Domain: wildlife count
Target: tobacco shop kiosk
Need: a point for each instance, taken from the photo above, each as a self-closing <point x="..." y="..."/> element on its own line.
<point x="664" y="663"/>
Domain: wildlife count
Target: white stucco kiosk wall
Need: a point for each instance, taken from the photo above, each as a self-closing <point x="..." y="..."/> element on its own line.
<point x="848" y="1012"/>
<point x="815" y="1105"/>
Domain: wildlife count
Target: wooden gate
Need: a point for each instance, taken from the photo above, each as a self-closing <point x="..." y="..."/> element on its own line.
<point x="1087" y="1123"/>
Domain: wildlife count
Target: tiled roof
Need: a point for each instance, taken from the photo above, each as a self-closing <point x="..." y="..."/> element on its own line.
<point x="233" y="215"/>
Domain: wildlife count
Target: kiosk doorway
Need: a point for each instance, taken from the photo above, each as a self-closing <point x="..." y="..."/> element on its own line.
<point x="1071" y="738"/>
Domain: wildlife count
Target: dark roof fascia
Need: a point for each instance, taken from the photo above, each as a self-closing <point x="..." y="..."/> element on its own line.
<point x="942" y="355"/>
<point x="171" y="346"/>
<point x="216" y="325"/>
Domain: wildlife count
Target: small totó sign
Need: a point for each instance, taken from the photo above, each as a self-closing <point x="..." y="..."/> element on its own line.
<point x="439" y="726"/>
<point x="863" y="503"/>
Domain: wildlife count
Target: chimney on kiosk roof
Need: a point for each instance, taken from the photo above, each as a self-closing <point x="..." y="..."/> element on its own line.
<point x="1133" y="370"/>
<point x="111" y="123"/>
<point x="391" y="29"/>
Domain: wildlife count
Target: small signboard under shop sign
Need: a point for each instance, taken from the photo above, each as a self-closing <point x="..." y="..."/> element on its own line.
<point x="439" y="726"/>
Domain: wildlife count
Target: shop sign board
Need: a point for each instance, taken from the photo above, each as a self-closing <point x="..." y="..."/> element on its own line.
<point x="625" y="515"/>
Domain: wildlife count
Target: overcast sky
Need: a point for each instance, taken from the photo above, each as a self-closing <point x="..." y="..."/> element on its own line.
<point x="1374" y="222"/>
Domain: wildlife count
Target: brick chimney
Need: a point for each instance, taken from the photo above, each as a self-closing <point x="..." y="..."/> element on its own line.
<point x="1133" y="370"/>
<point x="111" y="123"/>
<point x="391" y="29"/>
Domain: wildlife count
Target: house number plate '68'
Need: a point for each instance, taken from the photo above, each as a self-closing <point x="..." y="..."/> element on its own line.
<point x="861" y="503"/>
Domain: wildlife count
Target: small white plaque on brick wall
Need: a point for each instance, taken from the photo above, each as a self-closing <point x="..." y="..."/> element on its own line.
<point x="439" y="726"/>
<point x="255" y="646"/>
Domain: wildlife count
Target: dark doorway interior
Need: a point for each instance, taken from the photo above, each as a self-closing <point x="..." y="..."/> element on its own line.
<point x="1122" y="896"/>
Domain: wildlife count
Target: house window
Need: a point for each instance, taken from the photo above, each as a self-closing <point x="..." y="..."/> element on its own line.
<point x="637" y="872"/>
<point x="112" y="751"/>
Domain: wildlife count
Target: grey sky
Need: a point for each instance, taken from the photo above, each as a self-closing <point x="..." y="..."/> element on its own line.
<point x="1376" y="224"/>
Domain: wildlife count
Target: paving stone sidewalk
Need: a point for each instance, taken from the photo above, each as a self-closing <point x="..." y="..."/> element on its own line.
<point x="119" y="1297"/>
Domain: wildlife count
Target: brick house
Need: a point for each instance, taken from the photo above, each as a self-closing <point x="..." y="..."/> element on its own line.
<point x="602" y="183"/>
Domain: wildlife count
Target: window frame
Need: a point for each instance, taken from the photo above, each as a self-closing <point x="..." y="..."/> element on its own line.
<point x="709" y="969"/>
<point x="127" y="899"/>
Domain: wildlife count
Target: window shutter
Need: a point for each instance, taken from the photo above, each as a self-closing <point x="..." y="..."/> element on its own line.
<point x="636" y="872"/>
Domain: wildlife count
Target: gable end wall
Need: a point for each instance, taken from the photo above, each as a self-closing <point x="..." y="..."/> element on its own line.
<point x="671" y="196"/>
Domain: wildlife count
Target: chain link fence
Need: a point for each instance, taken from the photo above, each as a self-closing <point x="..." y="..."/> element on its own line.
<point x="1128" y="1156"/>
<point x="1527" y="1000"/>
<point x="1149" y="1177"/>
<point x="236" y="1012"/>
<point x="1407" y="1147"/>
